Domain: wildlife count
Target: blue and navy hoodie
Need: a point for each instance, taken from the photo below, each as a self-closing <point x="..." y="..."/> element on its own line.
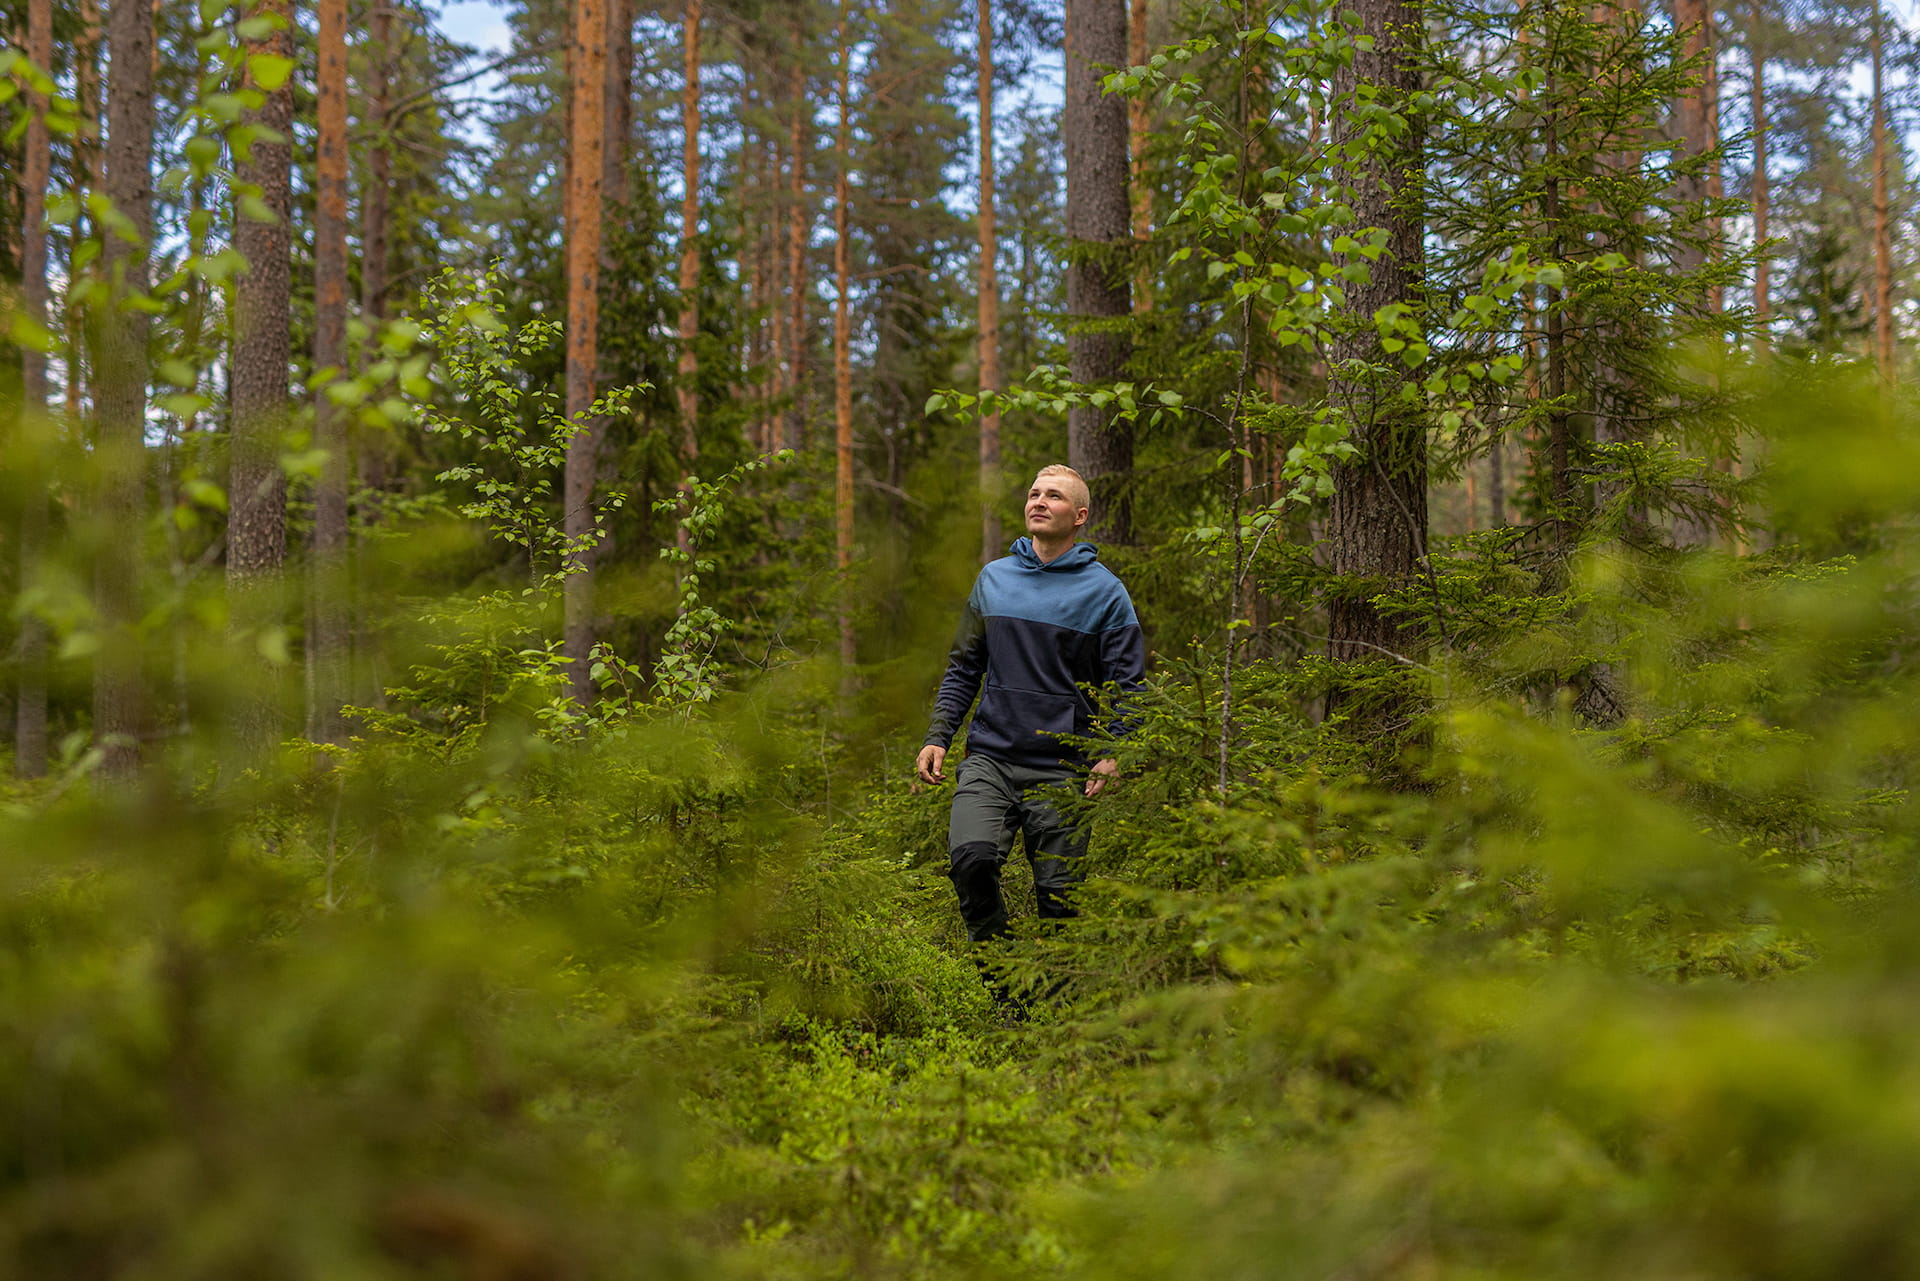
<point x="1034" y="634"/>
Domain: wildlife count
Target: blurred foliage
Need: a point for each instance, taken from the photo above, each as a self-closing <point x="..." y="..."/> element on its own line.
<point x="684" y="990"/>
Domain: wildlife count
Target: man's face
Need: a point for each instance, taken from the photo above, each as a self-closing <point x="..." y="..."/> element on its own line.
<point x="1051" y="511"/>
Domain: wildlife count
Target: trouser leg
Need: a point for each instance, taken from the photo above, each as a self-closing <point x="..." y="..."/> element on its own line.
<point x="979" y="835"/>
<point x="1056" y="848"/>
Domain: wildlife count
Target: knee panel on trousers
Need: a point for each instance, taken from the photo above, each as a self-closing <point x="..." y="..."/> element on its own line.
<point x="975" y="872"/>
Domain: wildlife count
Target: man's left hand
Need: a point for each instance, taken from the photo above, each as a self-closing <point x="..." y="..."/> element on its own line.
<point x="1102" y="771"/>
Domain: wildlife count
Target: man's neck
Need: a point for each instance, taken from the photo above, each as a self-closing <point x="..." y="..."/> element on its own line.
<point x="1049" y="552"/>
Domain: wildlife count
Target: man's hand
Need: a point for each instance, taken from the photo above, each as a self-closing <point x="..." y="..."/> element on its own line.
<point x="932" y="765"/>
<point x="1102" y="771"/>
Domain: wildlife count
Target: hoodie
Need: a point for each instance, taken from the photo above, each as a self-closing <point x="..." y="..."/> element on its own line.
<point x="1031" y="638"/>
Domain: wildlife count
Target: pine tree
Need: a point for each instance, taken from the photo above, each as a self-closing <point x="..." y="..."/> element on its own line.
<point x="587" y="65"/>
<point x="30" y="693"/>
<point x="1378" y="518"/>
<point x="329" y="627"/>
<point x="1099" y="235"/>
<point x="120" y="366"/>
<point x="989" y="292"/>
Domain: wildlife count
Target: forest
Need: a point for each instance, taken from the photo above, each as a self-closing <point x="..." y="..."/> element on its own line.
<point x="481" y="529"/>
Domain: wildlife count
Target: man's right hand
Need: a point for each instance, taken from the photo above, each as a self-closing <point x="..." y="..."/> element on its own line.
<point x="932" y="765"/>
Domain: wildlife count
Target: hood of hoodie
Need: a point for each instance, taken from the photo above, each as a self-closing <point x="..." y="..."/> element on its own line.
<point x="1078" y="556"/>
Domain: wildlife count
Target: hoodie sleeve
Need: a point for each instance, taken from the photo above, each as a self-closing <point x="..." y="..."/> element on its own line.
<point x="1123" y="662"/>
<point x="966" y="667"/>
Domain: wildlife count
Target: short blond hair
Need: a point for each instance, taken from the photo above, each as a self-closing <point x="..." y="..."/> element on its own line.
<point x="1076" y="486"/>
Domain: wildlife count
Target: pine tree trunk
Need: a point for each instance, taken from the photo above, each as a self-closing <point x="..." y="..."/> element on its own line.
<point x="687" y="373"/>
<point x="843" y="340"/>
<point x="799" y="232"/>
<point x="120" y="387"/>
<point x="375" y="199"/>
<point x="262" y="344"/>
<point x="989" y="299"/>
<point x="1378" y="516"/>
<point x="1138" y="123"/>
<point x="586" y="162"/>
<point x="1099" y="235"/>
<point x="1882" y="221"/>
<point x="30" y="703"/>
<point x="86" y="170"/>
<point x="260" y="381"/>
<point x="330" y="631"/>
<point x="1692" y="115"/>
<point x="1762" y="266"/>
<point x="618" y="150"/>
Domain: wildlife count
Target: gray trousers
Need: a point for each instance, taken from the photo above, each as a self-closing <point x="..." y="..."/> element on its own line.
<point x="992" y="801"/>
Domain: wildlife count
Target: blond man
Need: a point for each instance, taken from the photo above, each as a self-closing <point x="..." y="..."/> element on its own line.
<point x="1042" y="624"/>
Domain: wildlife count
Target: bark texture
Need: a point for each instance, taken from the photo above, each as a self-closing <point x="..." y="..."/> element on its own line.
<point x="1099" y="235"/>
<point x="1141" y="193"/>
<point x="1377" y="523"/>
<point x="587" y="64"/>
<point x="1882" y="220"/>
<point x="263" y="334"/>
<point x="1694" y="114"/>
<point x="120" y="364"/>
<point x="329" y="629"/>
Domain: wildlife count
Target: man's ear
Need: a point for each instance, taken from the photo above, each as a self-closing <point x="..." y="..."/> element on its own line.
<point x="1080" y="516"/>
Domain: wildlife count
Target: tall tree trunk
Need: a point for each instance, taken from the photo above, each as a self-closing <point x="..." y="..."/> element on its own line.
<point x="1138" y="123"/>
<point x="86" y="170"/>
<point x="1378" y="516"/>
<point x="619" y="109"/>
<point x="586" y="161"/>
<point x="30" y="704"/>
<point x="120" y="387"/>
<point x="1757" y="91"/>
<point x="1692" y="113"/>
<point x="843" y="337"/>
<point x="799" y="228"/>
<point x="1882" y="222"/>
<point x="989" y="299"/>
<point x="260" y="378"/>
<point x="687" y="373"/>
<point x="375" y="199"/>
<point x="1099" y="236"/>
<point x="1496" y="482"/>
<point x="330" y="631"/>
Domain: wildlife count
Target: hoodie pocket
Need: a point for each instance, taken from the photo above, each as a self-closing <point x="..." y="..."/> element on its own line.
<point x="1026" y="721"/>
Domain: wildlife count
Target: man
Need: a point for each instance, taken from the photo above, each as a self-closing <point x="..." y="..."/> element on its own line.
<point x="1039" y="626"/>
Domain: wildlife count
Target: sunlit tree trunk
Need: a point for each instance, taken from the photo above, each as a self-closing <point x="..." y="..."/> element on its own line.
<point x="1378" y="516"/>
<point x="30" y="703"/>
<point x="1882" y="221"/>
<point x="843" y="336"/>
<point x="120" y="386"/>
<point x="989" y="299"/>
<point x="587" y="67"/>
<point x="1099" y="236"/>
<point x="329" y="630"/>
